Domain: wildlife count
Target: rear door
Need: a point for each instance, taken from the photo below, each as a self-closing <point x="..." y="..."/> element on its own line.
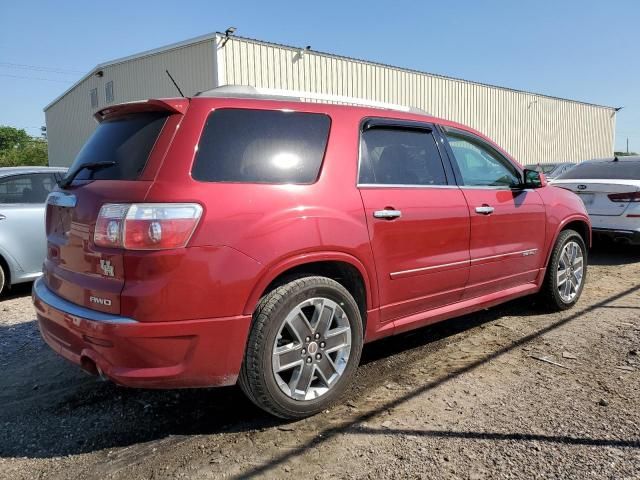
<point x="75" y="268"/>
<point x="22" y="233"/>
<point x="417" y="218"/>
<point x="507" y="223"/>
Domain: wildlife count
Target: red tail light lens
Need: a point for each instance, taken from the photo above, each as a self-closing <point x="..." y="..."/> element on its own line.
<point x="625" y="197"/>
<point x="146" y="226"/>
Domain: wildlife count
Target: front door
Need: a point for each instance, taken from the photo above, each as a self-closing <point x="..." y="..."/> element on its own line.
<point x="507" y="222"/>
<point x="417" y="218"/>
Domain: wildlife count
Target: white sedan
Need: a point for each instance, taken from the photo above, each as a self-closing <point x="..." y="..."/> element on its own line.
<point x="610" y="191"/>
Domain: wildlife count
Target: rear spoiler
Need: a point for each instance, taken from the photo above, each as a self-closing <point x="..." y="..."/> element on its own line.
<point x="171" y="105"/>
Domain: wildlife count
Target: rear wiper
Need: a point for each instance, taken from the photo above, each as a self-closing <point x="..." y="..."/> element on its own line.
<point x="66" y="181"/>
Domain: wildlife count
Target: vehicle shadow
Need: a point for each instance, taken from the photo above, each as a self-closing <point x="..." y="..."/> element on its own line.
<point x="50" y="408"/>
<point x="609" y="253"/>
<point x="17" y="291"/>
<point x="55" y="409"/>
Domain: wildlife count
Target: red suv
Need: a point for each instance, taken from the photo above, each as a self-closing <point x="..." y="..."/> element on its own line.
<point x="233" y="237"/>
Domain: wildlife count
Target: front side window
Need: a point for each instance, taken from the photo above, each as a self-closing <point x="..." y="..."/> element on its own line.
<point x="32" y="188"/>
<point x="480" y="165"/>
<point x="397" y="156"/>
<point x="261" y="146"/>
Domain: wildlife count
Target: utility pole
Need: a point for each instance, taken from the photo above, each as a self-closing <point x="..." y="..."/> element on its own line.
<point x="627" y="145"/>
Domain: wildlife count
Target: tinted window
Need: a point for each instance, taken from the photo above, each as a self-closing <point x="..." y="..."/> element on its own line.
<point x="32" y="188"/>
<point x="394" y="156"/>
<point x="621" y="170"/>
<point x="125" y="140"/>
<point x="261" y="146"/>
<point x="480" y="165"/>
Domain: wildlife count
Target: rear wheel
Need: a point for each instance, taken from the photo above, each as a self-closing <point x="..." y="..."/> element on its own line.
<point x="303" y="349"/>
<point x="566" y="272"/>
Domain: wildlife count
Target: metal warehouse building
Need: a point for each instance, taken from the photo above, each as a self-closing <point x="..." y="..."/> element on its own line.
<point x="532" y="127"/>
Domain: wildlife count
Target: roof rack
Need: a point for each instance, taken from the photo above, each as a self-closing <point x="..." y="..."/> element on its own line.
<point x="246" y="91"/>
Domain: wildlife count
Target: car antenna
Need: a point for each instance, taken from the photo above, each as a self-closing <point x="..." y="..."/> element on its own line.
<point x="175" y="83"/>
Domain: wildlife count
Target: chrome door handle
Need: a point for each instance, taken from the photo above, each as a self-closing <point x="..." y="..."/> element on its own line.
<point x="485" y="210"/>
<point x="2" y="217"/>
<point x="387" y="214"/>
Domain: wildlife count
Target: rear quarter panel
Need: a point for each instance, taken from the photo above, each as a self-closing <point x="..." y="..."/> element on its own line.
<point x="274" y="227"/>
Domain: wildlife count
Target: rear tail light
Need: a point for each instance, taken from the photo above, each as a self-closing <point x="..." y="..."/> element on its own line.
<point x="625" y="197"/>
<point x="146" y="226"/>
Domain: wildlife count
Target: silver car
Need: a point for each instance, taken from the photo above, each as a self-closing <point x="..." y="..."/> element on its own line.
<point x="23" y="192"/>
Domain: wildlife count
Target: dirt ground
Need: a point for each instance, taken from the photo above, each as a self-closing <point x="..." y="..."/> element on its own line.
<point x="468" y="398"/>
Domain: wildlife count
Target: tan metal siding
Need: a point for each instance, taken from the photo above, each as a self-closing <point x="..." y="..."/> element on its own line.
<point x="70" y="119"/>
<point x="533" y="128"/>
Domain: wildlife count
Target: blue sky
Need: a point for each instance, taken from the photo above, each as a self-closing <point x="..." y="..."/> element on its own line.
<point x="585" y="50"/>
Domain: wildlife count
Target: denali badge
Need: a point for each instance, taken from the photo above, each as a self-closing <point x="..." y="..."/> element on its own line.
<point x="582" y="187"/>
<point x="107" y="268"/>
<point x="100" y="301"/>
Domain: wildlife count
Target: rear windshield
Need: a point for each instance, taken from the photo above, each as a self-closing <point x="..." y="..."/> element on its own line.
<point x="620" y="170"/>
<point x="126" y="140"/>
<point x="261" y="146"/>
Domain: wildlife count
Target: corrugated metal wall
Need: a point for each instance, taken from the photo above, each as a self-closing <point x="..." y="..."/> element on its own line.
<point x="533" y="128"/>
<point x="70" y="119"/>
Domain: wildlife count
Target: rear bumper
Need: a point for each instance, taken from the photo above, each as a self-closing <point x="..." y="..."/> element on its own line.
<point x="189" y="353"/>
<point x="630" y="237"/>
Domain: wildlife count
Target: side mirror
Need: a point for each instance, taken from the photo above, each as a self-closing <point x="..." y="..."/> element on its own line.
<point x="533" y="179"/>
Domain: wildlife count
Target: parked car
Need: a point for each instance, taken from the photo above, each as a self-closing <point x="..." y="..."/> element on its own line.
<point x="266" y="239"/>
<point x="552" y="170"/>
<point x="610" y="190"/>
<point x="23" y="191"/>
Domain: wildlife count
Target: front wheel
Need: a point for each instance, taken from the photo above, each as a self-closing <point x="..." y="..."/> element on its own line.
<point x="566" y="272"/>
<point x="303" y="348"/>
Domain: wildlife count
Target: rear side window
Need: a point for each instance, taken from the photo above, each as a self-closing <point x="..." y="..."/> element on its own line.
<point x="397" y="156"/>
<point x="620" y="170"/>
<point x="126" y="140"/>
<point x="261" y="146"/>
<point x="30" y="188"/>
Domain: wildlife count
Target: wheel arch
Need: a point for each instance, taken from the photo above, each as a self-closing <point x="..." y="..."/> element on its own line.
<point x="578" y="223"/>
<point x="7" y="271"/>
<point x="341" y="267"/>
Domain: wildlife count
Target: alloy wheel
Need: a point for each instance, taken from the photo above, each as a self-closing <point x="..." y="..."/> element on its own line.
<point x="312" y="348"/>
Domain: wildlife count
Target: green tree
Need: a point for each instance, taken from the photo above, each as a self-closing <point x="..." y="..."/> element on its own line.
<point x="18" y="148"/>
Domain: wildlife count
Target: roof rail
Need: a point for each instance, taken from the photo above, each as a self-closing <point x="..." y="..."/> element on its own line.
<point x="246" y="91"/>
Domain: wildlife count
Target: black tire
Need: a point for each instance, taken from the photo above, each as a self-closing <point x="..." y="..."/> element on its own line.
<point x="549" y="293"/>
<point x="3" y="281"/>
<point x="257" y="379"/>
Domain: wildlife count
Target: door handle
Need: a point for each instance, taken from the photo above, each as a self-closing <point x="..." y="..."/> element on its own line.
<point x="2" y="217"/>
<point x="485" y="210"/>
<point x="387" y="214"/>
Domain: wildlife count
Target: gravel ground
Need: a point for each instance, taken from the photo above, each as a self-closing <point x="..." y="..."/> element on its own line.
<point x="469" y="398"/>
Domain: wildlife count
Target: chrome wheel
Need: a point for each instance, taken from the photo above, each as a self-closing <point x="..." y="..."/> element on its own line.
<point x="312" y="348"/>
<point x="570" y="271"/>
